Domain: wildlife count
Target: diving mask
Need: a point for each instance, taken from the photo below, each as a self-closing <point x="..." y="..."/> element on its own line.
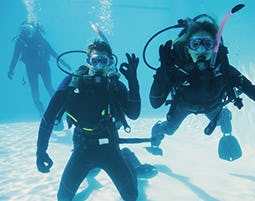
<point x="196" y="43"/>
<point x="29" y="30"/>
<point x="101" y="64"/>
<point x="100" y="61"/>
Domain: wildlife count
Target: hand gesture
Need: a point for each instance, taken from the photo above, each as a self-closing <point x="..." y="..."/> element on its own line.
<point x="43" y="162"/>
<point x="129" y="70"/>
<point x="166" y="55"/>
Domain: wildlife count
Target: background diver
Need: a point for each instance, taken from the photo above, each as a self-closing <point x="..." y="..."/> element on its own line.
<point x="34" y="51"/>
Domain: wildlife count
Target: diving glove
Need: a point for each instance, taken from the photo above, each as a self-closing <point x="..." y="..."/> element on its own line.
<point x="129" y="70"/>
<point x="10" y="75"/>
<point x="43" y="162"/>
<point x="166" y="55"/>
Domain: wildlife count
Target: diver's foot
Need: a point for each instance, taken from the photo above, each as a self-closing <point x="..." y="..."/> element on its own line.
<point x="157" y="127"/>
<point x="156" y="151"/>
<point x="157" y="134"/>
<point x="146" y="171"/>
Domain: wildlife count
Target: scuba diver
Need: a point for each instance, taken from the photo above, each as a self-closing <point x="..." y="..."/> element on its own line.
<point x="34" y="51"/>
<point x="96" y="103"/>
<point x="197" y="85"/>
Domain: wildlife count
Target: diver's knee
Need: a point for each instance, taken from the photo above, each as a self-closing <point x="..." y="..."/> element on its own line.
<point x="130" y="196"/>
<point x="64" y="194"/>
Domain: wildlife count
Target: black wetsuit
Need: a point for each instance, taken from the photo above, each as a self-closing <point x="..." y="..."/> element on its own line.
<point x="35" y="53"/>
<point x="196" y="92"/>
<point x="95" y="135"/>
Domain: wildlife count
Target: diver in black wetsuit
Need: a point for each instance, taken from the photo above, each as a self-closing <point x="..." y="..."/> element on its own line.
<point x="95" y="102"/>
<point x="34" y="51"/>
<point x="195" y="86"/>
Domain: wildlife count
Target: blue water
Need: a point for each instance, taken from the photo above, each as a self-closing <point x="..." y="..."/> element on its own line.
<point x="128" y="24"/>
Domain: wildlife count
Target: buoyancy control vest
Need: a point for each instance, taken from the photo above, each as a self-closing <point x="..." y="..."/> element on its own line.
<point x="92" y="101"/>
<point x="34" y="50"/>
<point x="201" y="91"/>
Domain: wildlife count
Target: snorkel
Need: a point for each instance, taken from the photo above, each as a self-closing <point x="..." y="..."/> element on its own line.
<point x="219" y="34"/>
<point x="100" y="33"/>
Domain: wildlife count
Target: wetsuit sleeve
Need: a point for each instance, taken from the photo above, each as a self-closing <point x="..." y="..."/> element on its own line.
<point x="130" y="101"/>
<point x="56" y="104"/>
<point x="15" y="56"/>
<point x="240" y="81"/>
<point x="50" y="49"/>
<point x="159" y="92"/>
